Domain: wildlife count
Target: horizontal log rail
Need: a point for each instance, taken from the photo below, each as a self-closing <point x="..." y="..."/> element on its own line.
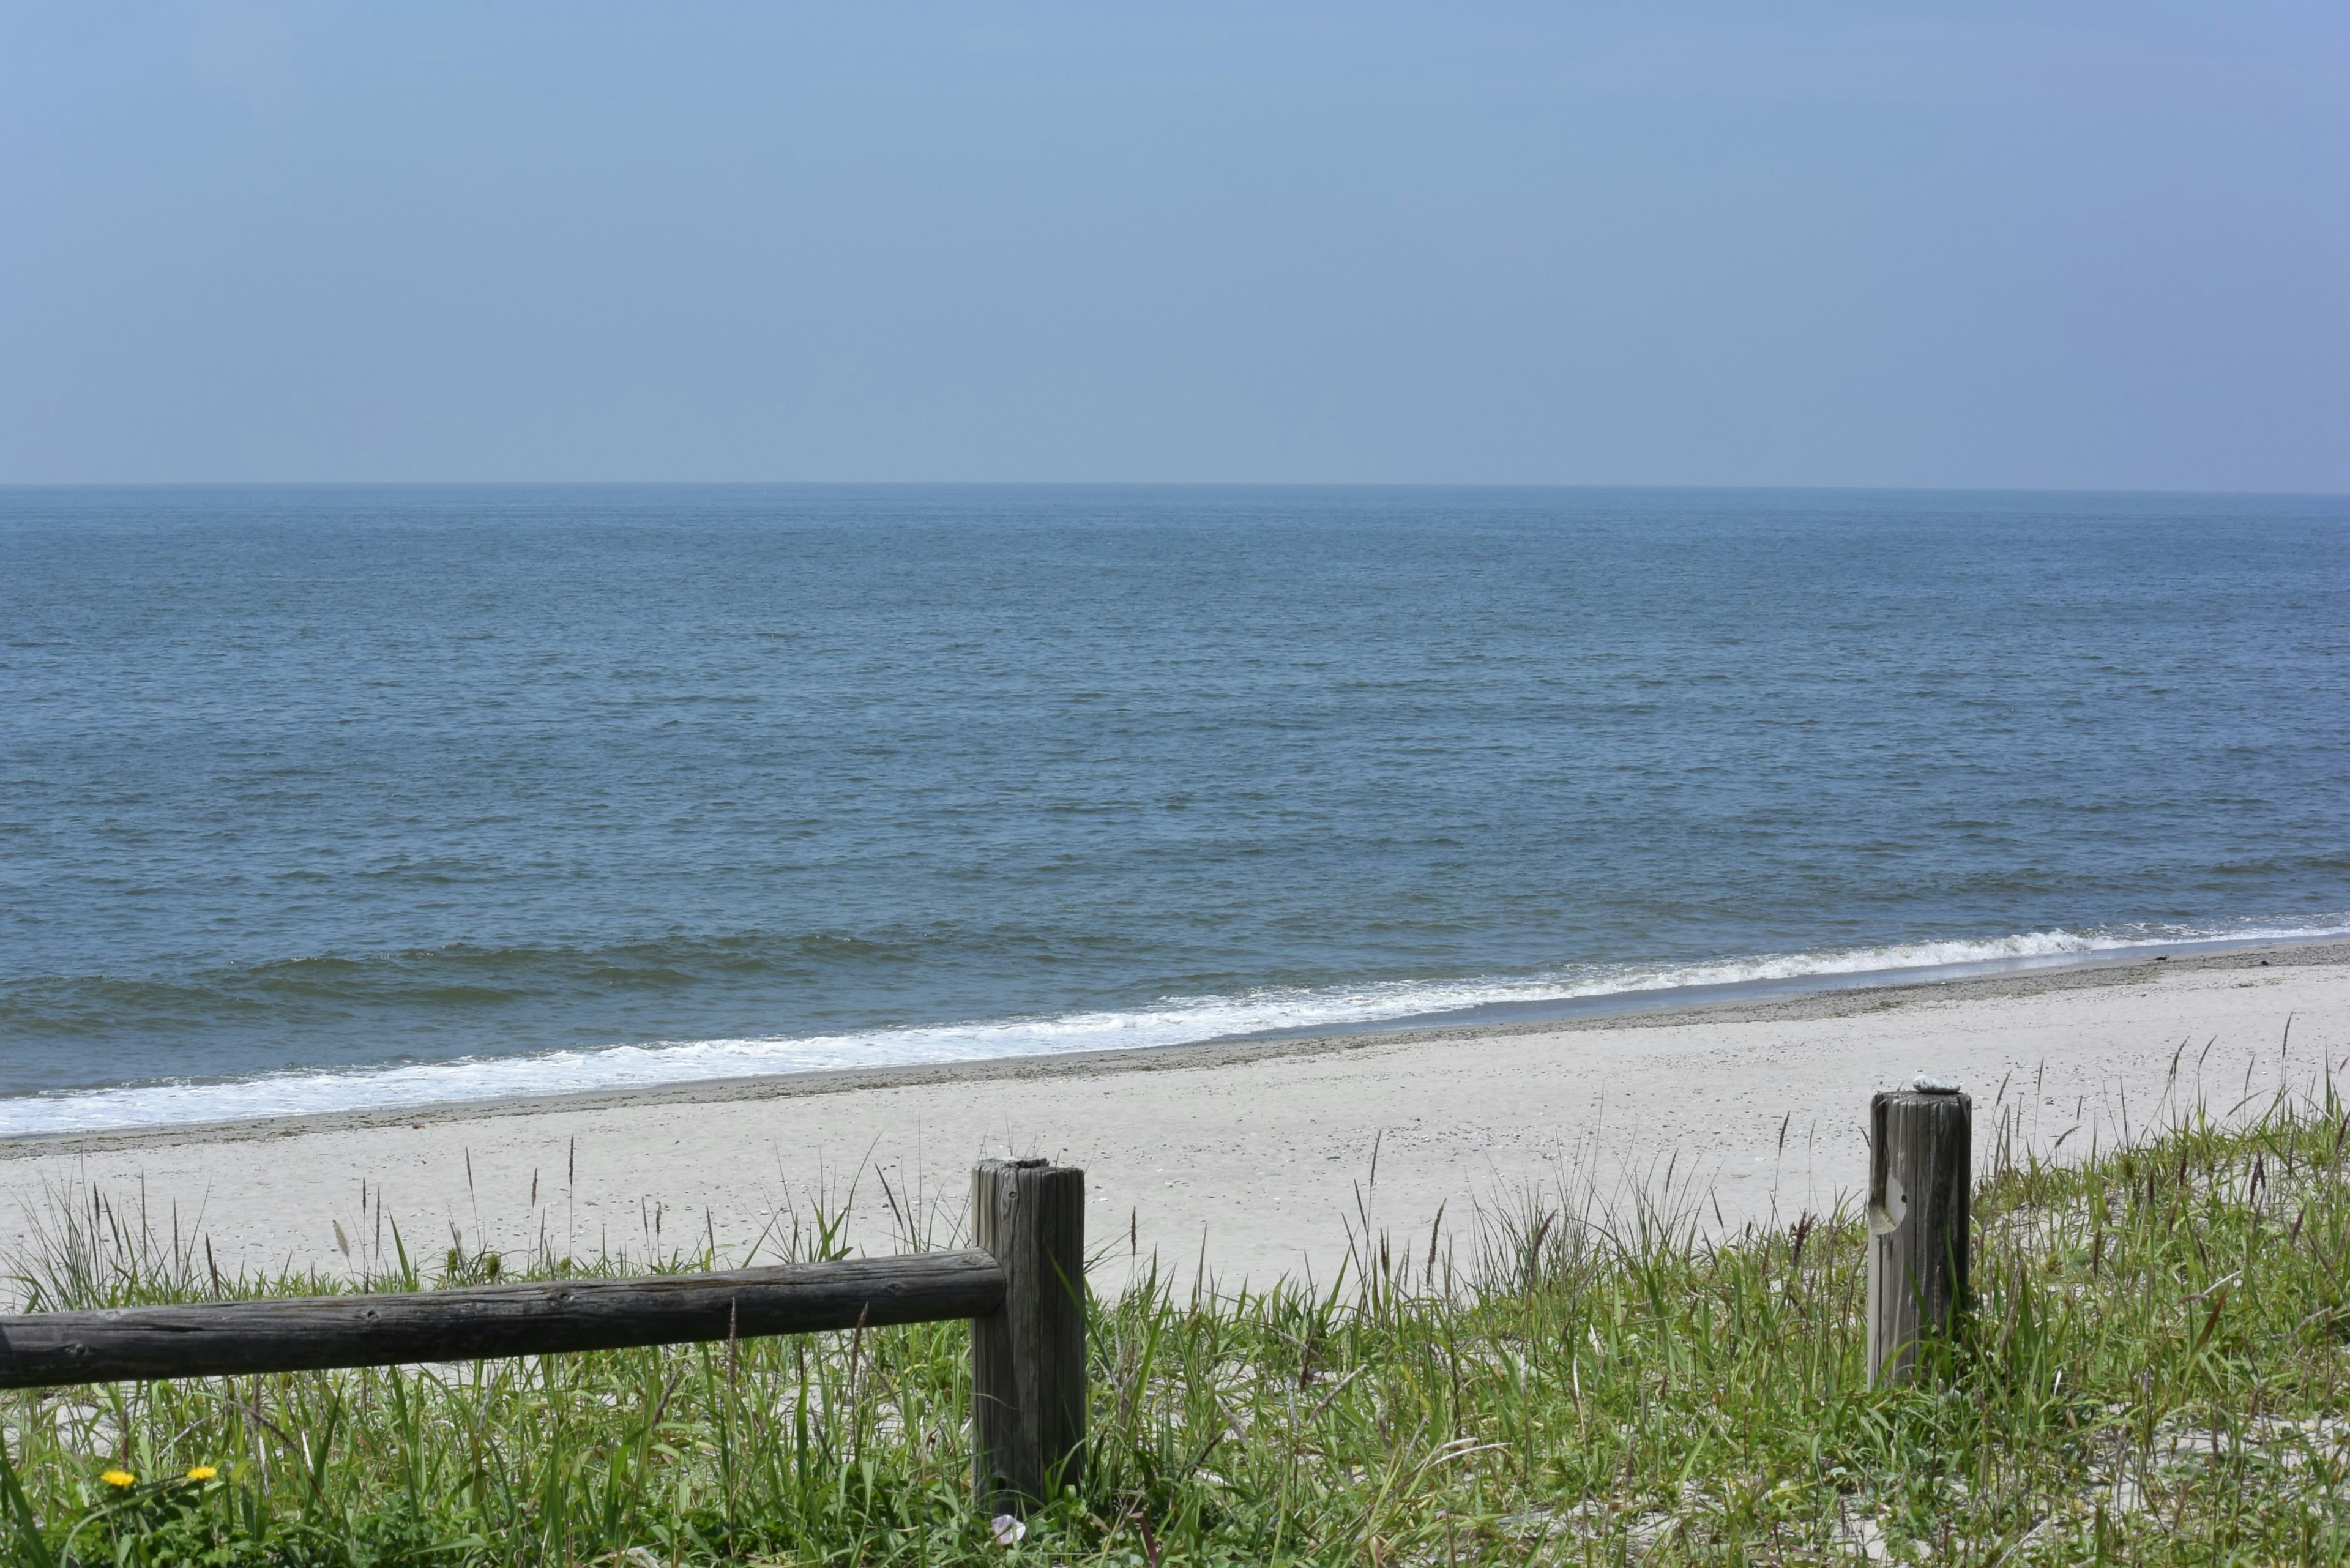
<point x="307" y="1333"/>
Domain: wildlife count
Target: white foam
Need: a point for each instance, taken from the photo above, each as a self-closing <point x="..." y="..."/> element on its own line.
<point x="1174" y="1020"/>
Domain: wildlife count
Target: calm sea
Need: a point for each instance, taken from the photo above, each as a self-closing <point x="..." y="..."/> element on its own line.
<point x="313" y="798"/>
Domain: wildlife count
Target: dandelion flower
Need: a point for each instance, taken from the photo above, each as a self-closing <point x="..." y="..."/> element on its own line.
<point x="119" y="1478"/>
<point x="204" y="1473"/>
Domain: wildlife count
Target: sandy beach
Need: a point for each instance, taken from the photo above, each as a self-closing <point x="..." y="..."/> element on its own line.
<point x="1251" y="1157"/>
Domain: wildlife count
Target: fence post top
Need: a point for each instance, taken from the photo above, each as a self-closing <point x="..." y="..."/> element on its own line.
<point x="1030" y="1163"/>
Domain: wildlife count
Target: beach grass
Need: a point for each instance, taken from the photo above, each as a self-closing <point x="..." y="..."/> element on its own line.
<point x="2155" y="1371"/>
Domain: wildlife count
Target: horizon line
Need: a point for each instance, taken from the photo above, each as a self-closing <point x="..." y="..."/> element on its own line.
<point x="1783" y="488"/>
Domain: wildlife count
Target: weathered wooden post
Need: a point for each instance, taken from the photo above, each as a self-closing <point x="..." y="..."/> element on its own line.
<point x="1920" y="1143"/>
<point x="1028" y="1358"/>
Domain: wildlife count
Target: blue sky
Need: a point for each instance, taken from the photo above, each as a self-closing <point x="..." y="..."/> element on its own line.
<point x="2078" y="245"/>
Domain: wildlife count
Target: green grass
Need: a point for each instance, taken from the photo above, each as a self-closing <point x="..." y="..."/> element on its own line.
<point x="2155" y="1373"/>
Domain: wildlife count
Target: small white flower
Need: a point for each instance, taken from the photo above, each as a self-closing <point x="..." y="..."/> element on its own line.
<point x="1008" y="1530"/>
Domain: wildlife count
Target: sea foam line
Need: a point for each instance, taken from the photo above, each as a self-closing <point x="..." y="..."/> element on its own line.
<point x="1174" y="1021"/>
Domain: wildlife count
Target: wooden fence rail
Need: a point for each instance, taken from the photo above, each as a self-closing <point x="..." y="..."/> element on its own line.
<point x="306" y="1333"/>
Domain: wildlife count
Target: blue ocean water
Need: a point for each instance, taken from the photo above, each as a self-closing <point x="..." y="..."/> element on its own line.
<point x="318" y="797"/>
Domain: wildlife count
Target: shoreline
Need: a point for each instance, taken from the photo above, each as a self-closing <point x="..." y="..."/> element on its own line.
<point x="1808" y="997"/>
<point x="1252" y="1159"/>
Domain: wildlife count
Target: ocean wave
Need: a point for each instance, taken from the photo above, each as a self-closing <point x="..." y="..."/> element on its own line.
<point x="1178" y="1019"/>
<point x="323" y="987"/>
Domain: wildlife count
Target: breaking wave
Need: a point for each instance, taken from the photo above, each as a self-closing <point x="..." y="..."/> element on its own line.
<point x="1172" y="1021"/>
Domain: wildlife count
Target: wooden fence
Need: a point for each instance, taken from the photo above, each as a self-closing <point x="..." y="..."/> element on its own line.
<point x="1022" y="1288"/>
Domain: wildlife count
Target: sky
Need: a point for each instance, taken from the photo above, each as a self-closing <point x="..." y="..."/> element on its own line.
<point x="2088" y="245"/>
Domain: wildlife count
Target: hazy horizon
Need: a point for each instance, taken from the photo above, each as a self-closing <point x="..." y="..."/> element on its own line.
<point x="1235" y="484"/>
<point x="1844" y="247"/>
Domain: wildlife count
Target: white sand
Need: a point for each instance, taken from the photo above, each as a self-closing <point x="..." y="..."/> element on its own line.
<point x="1248" y="1155"/>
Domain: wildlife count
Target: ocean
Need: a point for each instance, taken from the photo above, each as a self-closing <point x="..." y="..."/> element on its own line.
<point x="338" y="797"/>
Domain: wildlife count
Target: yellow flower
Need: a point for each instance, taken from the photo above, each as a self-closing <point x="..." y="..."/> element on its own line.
<point x="204" y="1473"/>
<point x="119" y="1478"/>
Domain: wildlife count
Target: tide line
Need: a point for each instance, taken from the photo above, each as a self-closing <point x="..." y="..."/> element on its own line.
<point x="1171" y="1021"/>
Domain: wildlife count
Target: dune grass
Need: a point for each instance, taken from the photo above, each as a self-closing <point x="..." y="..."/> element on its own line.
<point x="2155" y="1373"/>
